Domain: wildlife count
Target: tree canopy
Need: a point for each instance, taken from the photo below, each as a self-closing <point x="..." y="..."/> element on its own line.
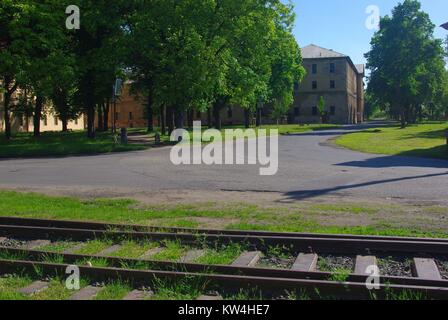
<point x="406" y="63"/>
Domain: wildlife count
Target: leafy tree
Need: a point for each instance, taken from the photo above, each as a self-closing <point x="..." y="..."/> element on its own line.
<point x="406" y="62"/>
<point x="11" y="54"/>
<point x="98" y="47"/>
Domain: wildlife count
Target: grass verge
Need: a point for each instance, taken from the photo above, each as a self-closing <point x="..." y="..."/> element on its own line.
<point x="424" y="140"/>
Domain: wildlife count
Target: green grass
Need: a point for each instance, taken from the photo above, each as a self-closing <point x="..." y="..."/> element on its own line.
<point x="130" y="249"/>
<point x="9" y="286"/>
<point x="93" y="247"/>
<point x="172" y="251"/>
<point x="221" y="256"/>
<point x="60" y="144"/>
<point x="55" y="291"/>
<point x="423" y="140"/>
<point x="377" y="219"/>
<point x="114" y="291"/>
<point x="58" y="247"/>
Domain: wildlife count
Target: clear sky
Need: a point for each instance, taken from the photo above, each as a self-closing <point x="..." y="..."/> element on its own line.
<point x="340" y="24"/>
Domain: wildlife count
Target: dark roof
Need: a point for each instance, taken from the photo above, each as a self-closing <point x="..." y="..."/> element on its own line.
<point x="312" y="51"/>
<point x="445" y="25"/>
<point x="315" y="52"/>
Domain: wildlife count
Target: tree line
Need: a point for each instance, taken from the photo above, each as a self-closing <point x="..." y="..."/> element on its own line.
<point x="408" y="79"/>
<point x="182" y="56"/>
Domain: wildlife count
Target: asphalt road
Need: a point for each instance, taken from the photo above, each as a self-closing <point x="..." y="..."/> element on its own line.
<point x="308" y="167"/>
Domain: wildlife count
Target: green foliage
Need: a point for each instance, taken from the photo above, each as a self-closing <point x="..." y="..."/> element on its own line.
<point x="406" y="63"/>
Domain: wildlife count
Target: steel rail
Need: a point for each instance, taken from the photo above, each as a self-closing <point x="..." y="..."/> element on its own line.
<point x="302" y="244"/>
<point x="220" y="269"/>
<point x="346" y="290"/>
<point x="72" y="224"/>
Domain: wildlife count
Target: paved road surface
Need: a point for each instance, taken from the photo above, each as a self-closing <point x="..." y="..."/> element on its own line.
<point x="309" y="167"/>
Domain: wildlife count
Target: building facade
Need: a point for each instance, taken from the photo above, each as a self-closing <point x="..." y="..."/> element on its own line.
<point x="49" y="122"/>
<point x="334" y="77"/>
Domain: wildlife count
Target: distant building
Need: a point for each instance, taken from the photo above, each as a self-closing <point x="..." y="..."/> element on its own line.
<point x="331" y="75"/>
<point x="49" y="122"/>
<point x="445" y="25"/>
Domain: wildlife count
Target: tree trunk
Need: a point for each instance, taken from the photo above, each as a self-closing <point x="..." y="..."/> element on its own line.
<point x="100" y="117"/>
<point x="179" y="116"/>
<point x="163" y="120"/>
<point x="91" y="121"/>
<point x="258" y="117"/>
<point x="217" y="115"/>
<point x="246" y="118"/>
<point x="403" y="119"/>
<point x="190" y="118"/>
<point x="64" y="124"/>
<point x="37" y="115"/>
<point x="106" y="115"/>
<point x="170" y="119"/>
<point x="150" y="116"/>
<point x="209" y="118"/>
<point x="7" y="100"/>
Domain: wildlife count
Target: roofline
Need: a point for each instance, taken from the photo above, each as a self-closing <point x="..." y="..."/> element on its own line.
<point x="344" y="57"/>
<point x="445" y="26"/>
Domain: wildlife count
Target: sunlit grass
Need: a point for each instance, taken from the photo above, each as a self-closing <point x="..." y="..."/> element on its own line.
<point x="423" y="140"/>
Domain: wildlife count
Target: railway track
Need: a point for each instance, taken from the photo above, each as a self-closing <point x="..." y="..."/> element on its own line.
<point x="303" y="276"/>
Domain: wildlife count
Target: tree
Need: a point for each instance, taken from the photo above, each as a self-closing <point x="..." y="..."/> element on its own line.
<point x="43" y="43"/>
<point x="11" y="54"/>
<point x="99" y="50"/>
<point x="406" y="61"/>
<point x="286" y="69"/>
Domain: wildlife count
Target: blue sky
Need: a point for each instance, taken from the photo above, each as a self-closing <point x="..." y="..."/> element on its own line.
<point x="340" y="24"/>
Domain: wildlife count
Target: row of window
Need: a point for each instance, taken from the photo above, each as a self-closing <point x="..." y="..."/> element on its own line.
<point x="45" y="121"/>
<point x="332" y="68"/>
<point x="315" y="111"/>
<point x="332" y="85"/>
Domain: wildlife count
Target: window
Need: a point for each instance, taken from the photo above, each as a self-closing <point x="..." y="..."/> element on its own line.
<point x="314" y="111"/>
<point x="332" y="84"/>
<point x="296" y="111"/>
<point x="296" y="86"/>
<point x="130" y="116"/>
<point x="314" y="85"/>
<point x="117" y="115"/>
<point x="45" y="121"/>
<point x="332" y="110"/>
<point x="332" y="68"/>
<point x="56" y="122"/>
<point x="76" y="121"/>
<point x="229" y="112"/>
<point x="314" y="67"/>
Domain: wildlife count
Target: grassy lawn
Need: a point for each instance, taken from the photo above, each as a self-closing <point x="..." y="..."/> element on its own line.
<point x="60" y="144"/>
<point x="341" y="217"/>
<point x="424" y="140"/>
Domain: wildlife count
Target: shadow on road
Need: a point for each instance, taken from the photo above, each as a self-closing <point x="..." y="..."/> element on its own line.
<point x="306" y="194"/>
<point x="396" y="161"/>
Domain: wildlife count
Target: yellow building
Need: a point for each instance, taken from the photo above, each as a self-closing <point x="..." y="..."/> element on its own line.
<point x="25" y="124"/>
